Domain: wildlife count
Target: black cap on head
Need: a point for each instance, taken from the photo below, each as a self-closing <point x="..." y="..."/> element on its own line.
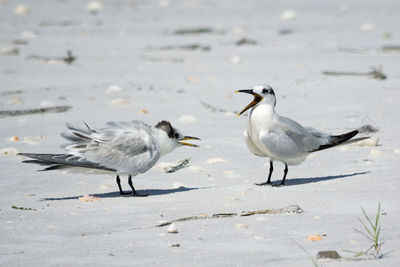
<point x="167" y="127"/>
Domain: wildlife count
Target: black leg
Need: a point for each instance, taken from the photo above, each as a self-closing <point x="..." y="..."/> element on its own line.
<point x="271" y="169"/>
<point x="119" y="186"/>
<point x="284" y="176"/>
<point x="136" y="194"/>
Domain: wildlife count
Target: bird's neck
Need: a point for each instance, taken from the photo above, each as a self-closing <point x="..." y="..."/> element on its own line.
<point x="166" y="144"/>
<point x="262" y="111"/>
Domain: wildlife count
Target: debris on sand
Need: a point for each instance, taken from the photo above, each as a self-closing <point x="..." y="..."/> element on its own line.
<point x="286" y="210"/>
<point x="21" y="208"/>
<point x="181" y="164"/>
<point x="375" y="73"/>
<point x="245" y="41"/>
<point x="200" y="30"/>
<point x="51" y="60"/>
<point x="189" y="47"/>
<point x="12" y="113"/>
<point x="328" y="254"/>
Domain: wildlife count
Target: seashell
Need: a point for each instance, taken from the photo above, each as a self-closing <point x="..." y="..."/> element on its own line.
<point x="314" y="237"/>
<point x="172" y="229"/>
<point x="94" y="6"/>
<point x="289" y="14"/>
<point x="367" y="26"/>
<point x="22" y="10"/>
<point x="188" y="119"/>
<point x="235" y="60"/>
<point x="114" y="89"/>
<point x="12" y="139"/>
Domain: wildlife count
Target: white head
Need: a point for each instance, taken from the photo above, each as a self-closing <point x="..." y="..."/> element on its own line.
<point x="262" y="93"/>
<point x="172" y="138"/>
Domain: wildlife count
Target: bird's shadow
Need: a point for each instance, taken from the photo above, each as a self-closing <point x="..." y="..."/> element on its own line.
<point x="116" y="194"/>
<point x="298" y="181"/>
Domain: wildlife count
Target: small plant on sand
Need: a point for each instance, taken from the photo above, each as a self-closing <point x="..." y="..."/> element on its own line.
<point x="371" y="230"/>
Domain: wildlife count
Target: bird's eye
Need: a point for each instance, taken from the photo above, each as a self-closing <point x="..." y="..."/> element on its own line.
<point x="176" y="135"/>
<point x="265" y="91"/>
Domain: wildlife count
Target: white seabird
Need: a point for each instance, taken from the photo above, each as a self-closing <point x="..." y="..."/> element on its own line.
<point x="279" y="138"/>
<point x="124" y="148"/>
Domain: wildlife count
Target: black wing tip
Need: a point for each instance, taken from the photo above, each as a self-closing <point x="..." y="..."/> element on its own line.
<point x="337" y="140"/>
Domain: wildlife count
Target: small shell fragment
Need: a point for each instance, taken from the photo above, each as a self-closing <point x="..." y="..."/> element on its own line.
<point x="172" y="229"/>
<point x="188" y="119"/>
<point x="367" y="26"/>
<point x="94" y="6"/>
<point x="143" y="111"/>
<point x="289" y="14"/>
<point x="12" y="139"/>
<point x="87" y="198"/>
<point x="372" y="141"/>
<point x="314" y="237"/>
<point x="114" y="89"/>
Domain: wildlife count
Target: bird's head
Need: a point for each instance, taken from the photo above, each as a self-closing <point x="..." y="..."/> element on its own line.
<point x="263" y="93"/>
<point x="175" y="137"/>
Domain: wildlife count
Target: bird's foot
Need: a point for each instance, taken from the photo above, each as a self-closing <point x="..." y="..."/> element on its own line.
<point x="278" y="185"/>
<point x="265" y="183"/>
<point x="122" y="193"/>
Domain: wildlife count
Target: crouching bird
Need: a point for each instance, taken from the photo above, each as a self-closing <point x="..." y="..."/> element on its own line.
<point x="123" y="148"/>
<point x="279" y="138"/>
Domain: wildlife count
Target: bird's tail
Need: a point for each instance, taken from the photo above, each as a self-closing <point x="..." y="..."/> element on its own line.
<point x="60" y="161"/>
<point x="335" y="140"/>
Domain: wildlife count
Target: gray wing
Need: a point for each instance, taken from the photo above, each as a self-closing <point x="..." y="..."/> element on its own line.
<point x="127" y="147"/>
<point x="287" y="138"/>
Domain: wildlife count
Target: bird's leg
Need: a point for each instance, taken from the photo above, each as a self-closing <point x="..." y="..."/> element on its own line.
<point x="271" y="169"/>
<point x="284" y="176"/>
<point x="119" y="186"/>
<point x="136" y="194"/>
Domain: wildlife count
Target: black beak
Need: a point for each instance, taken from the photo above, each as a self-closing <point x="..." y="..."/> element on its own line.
<point x="256" y="100"/>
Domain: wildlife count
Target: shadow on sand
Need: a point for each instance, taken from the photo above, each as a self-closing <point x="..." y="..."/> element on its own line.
<point x="298" y="181"/>
<point x="150" y="192"/>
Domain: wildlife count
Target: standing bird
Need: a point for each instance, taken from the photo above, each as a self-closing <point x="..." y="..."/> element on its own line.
<point x="279" y="138"/>
<point x="128" y="148"/>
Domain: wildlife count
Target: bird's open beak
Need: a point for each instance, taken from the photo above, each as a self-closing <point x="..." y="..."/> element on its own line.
<point x="188" y="138"/>
<point x="256" y="100"/>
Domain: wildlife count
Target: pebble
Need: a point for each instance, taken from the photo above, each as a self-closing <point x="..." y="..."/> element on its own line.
<point x="15" y="100"/>
<point x="216" y="160"/>
<point x="188" y="119"/>
<point x="289" y="14"/>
